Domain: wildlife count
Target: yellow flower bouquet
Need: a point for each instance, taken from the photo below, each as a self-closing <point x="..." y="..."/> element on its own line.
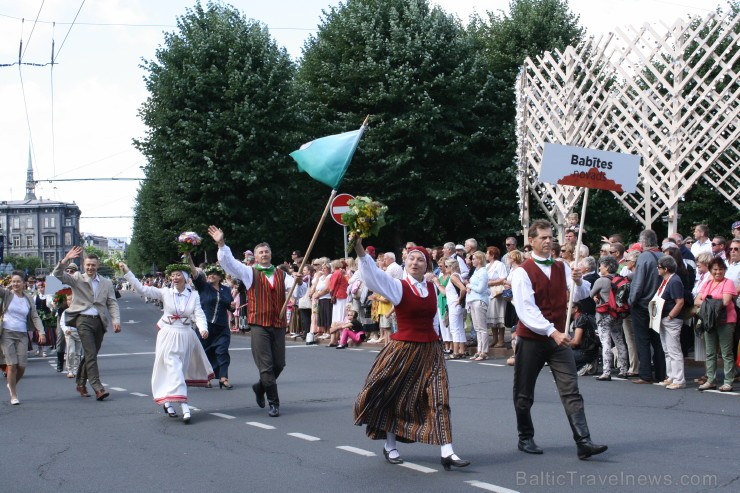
<point x="365" y="217"/>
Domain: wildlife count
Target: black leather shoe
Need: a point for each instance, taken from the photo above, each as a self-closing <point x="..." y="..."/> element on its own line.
<point x="527" y="445"/>
<point x="448" y="462"/>
<point x="259" y="395"/>
<point x="274" y="411"/>
<point x="587" y="448"/>
<point x="392" y="460"/>
<point x="170" y="411"/>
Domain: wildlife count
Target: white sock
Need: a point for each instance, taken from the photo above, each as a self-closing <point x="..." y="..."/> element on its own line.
<point x="390" y="444"/>
<point x="448" y="452"/>
<point x="185" y="408"/>
<point x="168" y="405"/>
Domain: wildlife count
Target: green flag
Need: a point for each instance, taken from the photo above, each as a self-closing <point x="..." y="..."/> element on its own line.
<point x="327" y="159"/>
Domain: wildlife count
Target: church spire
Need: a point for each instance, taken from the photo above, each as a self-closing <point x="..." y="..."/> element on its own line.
<point x="30" y="182"/>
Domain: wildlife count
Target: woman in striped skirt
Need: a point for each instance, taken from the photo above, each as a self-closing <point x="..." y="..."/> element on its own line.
<point x="405" y="397"/>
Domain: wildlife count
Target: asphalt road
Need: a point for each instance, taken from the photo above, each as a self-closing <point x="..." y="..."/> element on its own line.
<point x="659" y="440"/>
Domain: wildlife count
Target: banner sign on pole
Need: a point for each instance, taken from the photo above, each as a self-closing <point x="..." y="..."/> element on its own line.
<point x="589" y="168"/>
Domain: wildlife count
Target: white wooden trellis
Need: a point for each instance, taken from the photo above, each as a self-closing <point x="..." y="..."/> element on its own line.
<point x="669" y="95"/>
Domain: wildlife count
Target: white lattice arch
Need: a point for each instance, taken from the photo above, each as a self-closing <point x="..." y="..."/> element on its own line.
<point x="669" y="95"/>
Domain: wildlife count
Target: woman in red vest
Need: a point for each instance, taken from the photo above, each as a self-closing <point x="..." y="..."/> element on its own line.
<point x="405" y="397"/>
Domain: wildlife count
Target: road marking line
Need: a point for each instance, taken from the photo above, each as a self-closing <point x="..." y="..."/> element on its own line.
<point x="118" y="389"/>
<point x="374" y="351"/>
<point x="417" y="467"/>
<point x="460" y="360"/>
<point x="139" y="394"/>
<point x="357" y="451"/>
<point x="492" y="364"/>
<point x="260" y="425"/>
<point x="225" y="416"/>
<point x="490" y="487"/>
<point x="193" y="408"/>
<point x="302" y="436"/>
<point x="349" y="348"/>
<point x="719" y="392"/>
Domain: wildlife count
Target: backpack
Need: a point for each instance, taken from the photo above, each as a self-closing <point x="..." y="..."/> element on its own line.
<point x="617" y="305"/>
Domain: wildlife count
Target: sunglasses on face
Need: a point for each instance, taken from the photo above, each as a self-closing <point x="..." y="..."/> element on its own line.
<point x="718" y="244"/>
<point x="735" y="249"/>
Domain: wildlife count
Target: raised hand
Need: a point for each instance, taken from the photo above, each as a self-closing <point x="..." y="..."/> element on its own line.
<point x="74" y="253"/>
<point x="217" y="235"/>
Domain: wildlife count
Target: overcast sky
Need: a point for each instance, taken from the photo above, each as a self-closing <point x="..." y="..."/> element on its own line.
<point x="80" y="117"/>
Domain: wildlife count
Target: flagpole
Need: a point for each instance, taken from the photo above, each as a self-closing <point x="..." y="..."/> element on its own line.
<point x="575" y="262"/>
<point x="321" y="221"/>
<point x="308" y="250"/>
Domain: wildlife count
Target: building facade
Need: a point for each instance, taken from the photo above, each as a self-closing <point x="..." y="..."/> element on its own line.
<point x="38" y="227"/>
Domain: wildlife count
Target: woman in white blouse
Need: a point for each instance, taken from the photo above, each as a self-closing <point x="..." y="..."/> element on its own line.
<point x="497" y="273"/>
<point x="179" y="360"/>
<point x="455" y="292"/>
<point x="19" y="313"/>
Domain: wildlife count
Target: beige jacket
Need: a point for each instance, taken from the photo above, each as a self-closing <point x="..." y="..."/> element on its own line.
<point x="104" y="302"/>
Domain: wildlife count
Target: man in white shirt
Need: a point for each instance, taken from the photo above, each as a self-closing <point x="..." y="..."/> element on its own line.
<point x="266" y="288"/>
<point x="449" y="252"/>
<point x="540" y="290"/>
<point x="701" y="240"/>
<point x="391" y="267"/>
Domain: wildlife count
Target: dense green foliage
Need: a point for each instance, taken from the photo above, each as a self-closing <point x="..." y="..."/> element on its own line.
<point x="220" y="120"/>
<point x="227" y="105"/>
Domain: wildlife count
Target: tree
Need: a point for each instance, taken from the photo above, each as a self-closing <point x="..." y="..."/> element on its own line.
<point x="220" y="117"/>
<point x="530" y="28"/>
<point x="427" y="154"/>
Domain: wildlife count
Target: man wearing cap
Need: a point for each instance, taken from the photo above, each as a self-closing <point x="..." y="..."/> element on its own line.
<point x="93" y="295"/>
<point x="266" y="292"/>
<point x="735" y="230"/>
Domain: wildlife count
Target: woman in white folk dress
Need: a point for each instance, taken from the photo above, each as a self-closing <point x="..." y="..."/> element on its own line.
<point x="179" y="359"/>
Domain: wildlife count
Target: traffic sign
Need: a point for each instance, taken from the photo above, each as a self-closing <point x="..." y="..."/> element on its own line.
<point x="339" y="206"/>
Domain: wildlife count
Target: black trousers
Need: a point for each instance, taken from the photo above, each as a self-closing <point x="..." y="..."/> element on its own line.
<point x="531" y="356"/>
<point x="649" y="347"/>
<point x="268" y="351"/>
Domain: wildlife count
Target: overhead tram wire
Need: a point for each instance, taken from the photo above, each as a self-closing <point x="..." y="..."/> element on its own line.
<point x="51" y="83"/>
<point x="23" y="91"/>
<point x="28" y="41"/>
<point x="68" y="30"/>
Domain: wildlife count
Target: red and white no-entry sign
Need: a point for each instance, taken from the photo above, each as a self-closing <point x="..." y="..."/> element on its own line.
<point x="339" y="206"/>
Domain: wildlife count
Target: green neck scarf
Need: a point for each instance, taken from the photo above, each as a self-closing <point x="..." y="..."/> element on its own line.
<point x="268" y="271"/>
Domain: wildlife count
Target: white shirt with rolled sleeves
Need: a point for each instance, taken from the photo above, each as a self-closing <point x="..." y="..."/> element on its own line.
<point x="237" y="269"/>
<point x="381" y="282"/>
<point x="527" y="310"/>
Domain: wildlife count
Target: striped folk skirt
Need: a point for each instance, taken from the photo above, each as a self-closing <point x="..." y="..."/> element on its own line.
<point x="406" y="393"/>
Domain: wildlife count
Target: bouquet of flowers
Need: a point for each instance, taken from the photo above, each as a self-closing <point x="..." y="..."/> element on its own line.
<point x="188" y="240"/>
<point x="60" y="297"/>
<point x="365" y="217"/>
